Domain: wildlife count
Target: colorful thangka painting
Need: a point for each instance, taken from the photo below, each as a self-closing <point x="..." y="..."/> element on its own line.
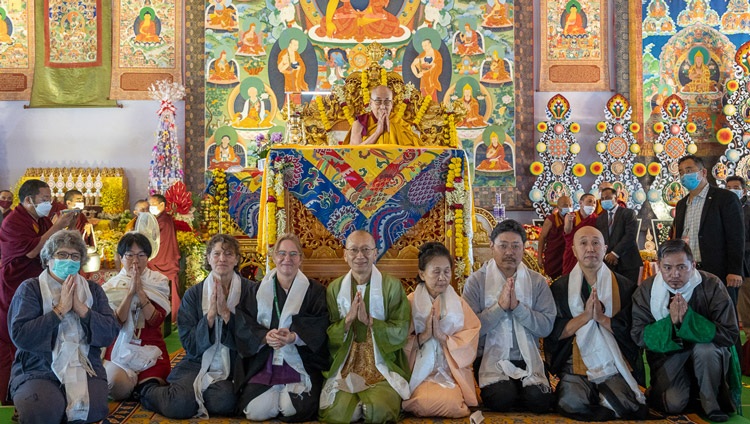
<point x="574" y="47"/>
<point x="258" y="53"/>
<point x="688" y="50"/>
<point x="72" y="33"/>
<point x="147" y="43"/>
<point x="16" y="55"/>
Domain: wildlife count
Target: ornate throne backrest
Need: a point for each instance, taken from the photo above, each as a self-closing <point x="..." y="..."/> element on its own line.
<point x="335" y="112"/>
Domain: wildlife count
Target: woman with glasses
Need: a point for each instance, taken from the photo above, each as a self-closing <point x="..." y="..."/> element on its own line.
<point x="442" y="343"/>
<point x="59" y="322"/>
<point x="140" y="299"/>
<point x="288" y="332"/>
<point x="213" y="325"/>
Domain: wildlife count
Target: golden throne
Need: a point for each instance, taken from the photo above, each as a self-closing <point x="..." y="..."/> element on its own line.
<point x="327" y="117"/>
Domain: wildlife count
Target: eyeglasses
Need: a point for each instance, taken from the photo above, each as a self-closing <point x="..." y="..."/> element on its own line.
<point x="509" y="246"/>
<point x="380" y="102"/>
<point x="226" y="254"/>
<point x="66" y="255"/>
<point x="363" y="250"/>
<point x="284" y="254"/>
<point x="130" y="255"/>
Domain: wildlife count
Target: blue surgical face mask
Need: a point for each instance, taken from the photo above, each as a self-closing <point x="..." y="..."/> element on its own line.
<point x="64" y="267"/>
<point x="608" y="204"/>
<point x="565" y="211"/>
<point x="691" y="181"/>
<point x="737" y="191"/>
<point x="43" y="209"/>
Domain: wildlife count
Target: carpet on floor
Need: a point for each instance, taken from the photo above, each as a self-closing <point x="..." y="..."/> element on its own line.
<point x="133" y="413"/>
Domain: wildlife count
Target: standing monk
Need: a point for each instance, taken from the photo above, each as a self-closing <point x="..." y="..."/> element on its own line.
<point x="167" y="261"/>
<point x="22" y="236"/>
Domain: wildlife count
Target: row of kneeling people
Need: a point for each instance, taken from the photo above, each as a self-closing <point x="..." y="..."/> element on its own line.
<point x="288" y="348"/>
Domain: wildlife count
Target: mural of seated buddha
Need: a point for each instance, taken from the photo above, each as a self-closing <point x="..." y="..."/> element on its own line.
<point x="373" y="22"/>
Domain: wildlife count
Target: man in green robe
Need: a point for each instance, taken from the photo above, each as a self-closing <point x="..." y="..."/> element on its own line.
<point x="370" y="317"/>
<point x="686" y="321"/>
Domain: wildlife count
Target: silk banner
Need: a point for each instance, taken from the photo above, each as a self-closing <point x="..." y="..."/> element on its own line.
<point x="73" y="53"/>
<point x="574" y="46"/>
<point x="383" y="191"/>
<point x="147" y="46"/>
<point x="16" y="49"/>
<point x="243" y="191"/>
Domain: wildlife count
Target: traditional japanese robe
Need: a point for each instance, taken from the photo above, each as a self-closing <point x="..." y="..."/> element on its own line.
<point x="710" y="319"/>
<point x="388" y="336"/>
<point x="310" y="325"/>
<point x="437" y="394"/>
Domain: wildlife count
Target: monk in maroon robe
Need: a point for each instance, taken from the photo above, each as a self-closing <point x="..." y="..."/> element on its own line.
<point x="22" y="236"/>
<point x="167" y="261"/>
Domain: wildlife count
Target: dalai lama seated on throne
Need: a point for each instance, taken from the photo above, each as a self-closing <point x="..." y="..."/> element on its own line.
<point x="380" y="126"/>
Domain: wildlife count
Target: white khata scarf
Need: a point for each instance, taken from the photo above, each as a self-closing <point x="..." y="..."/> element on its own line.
<point x="294" y="299"/>
<point x="660" y="293"/>
<point x="377" y="311"/>
<point x="599" y="350"/>
<point x="70" y="361"/>
<point x="133" y="358"/>
<point x="431" y="358"/>
<point x="496" y="365"/>
<point x="215" y="361"/>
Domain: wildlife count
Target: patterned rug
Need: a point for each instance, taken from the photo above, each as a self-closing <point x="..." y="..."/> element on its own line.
<point x="132" y="413"/>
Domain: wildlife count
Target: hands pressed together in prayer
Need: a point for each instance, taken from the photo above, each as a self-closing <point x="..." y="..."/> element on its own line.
<point x="218" y="305"/>
<point x="277" y="338"/>
<point x="69" y="300"/>
<point x="384" y="121"/>
<point x="594" y="309"/>
<point x="432" y="326"/>
<point x="507" y="299"/>
<point x="677" y="309"/>
<point x="357" y="311"/>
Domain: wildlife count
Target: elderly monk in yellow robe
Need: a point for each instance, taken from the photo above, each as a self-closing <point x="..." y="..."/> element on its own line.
<point x="379" y="126"/>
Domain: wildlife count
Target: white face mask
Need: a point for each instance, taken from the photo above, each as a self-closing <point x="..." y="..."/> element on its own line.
<point x="588" y="210"/>
<point x="154" y="210"/>
<point x="43" y="209"/>
<point x="78" y="205"/>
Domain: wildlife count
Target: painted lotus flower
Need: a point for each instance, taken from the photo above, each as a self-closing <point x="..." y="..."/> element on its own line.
<point x="639" y="170"/>
<point x="596" y="168"/>
<point x="724" y="136"/>
<point x="536" y="168"/>
<point x="579" y="170"/>
<point x="654" y="168"/>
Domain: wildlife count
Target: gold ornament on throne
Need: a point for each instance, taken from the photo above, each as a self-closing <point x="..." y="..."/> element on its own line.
<point x="336" y="111"/>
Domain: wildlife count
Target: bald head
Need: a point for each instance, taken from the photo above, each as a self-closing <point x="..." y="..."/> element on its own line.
<point x="564" y="202"/>
<point x="361" y="254"/>
<point x="589" y="248"/>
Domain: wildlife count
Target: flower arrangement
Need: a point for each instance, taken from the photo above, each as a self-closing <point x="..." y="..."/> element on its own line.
<point x="401" y="109"/>
<point x="364" y="83"/>
<point x="322" y="111"/>
<point x="112" y="199"/>
<point x="451" y="136"/>
<point x="422" y="110"/>
<point x="338" y="91"/>
<point x="106" y="241"/>
<point x="216" y="209"/>
<point x="263" y="144"/>
<point x="193" y="251"/>
<point x="383" y="77"/>
<point x="275" y="203"/>
<point x="456" y="196"/>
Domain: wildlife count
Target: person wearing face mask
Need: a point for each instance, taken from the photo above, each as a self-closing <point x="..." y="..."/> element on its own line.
<point x="619" y="227"/>
<point x="139" y="207"/>
<point x="167" y="260"/>
<point x="711" y="222"/>
<point x="22" y="236"/>
<point x="552" y="240"/>
<point x="736" y="185"/>
<point x="74" y="200"/>
<point x="380" y="126"/>
<point x="60" y="322"/>
<point x="585" y="216"/>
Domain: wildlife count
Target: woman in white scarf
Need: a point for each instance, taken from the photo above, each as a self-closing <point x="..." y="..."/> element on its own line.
<point x="284" y="378"/>
<point x="59" y="322"/>
<point x="443" y="339"/>
<point x="212" y="323"/>
<point x="140" y="299"/>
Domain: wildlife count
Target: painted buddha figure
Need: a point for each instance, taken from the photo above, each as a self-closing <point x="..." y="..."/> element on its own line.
<point x="223" y="70"/>
<point x="427" y="67"/>
<point x="497" y="72"/>
<point x="147" y="30"/>
<point x="346" y="22"/>
<point x="250" y="43"/>
<point x="494" y="156"/>
<point x="700" y="76"/>
<point x="290" y="65"/>
<point x="225" y="153"/>
<point x="473" y="118"/>
<point x="4" y="30"/>
<point x="254" y="113"/>
<point x="574" y="22"/>
<point x="657" y="9"/>
<point x="467" y="42"/>
<point x="498" y="16"/>
<point x="222" y="16"/>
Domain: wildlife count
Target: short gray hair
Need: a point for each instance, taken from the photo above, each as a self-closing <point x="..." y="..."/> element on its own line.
<point x="63" y="238"/>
